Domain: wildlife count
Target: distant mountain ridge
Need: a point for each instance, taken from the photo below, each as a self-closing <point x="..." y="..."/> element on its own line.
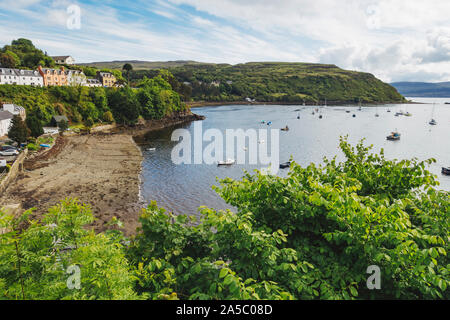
<point x="423" y="89"/>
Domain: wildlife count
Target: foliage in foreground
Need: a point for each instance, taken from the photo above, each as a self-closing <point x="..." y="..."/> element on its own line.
<point x="35" y="257"/>
<point x="310" y="235"/>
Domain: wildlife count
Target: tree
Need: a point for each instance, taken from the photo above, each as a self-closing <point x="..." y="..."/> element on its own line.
<point x="18" y="131"/>
<point x="7" y="60"/>
<point x="124" y="105"/>
<point x="108" y="117"/>
<point x="127" y="68"/>
<point x="39" y="259"/>
<point x="62" y="126"/>
<point x="89" y="123"/>
<point x="35" y="126"/>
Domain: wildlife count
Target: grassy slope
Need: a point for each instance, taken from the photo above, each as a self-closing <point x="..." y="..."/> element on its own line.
<point x="139" y="65"/>
<point x="294" y="82"/>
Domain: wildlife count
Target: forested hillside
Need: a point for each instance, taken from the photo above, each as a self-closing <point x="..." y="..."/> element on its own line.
<point x="277" y="82"/>
<point x="152" y="99"/>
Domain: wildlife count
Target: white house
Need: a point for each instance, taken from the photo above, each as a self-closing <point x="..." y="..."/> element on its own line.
<point x="15" y="110"/>
<point x="30" y="78"/>
<point x="21" y="77"/>
<point x="64" y="59"/>
<point x="5" y="122"/>
<point x="8" y="76"/>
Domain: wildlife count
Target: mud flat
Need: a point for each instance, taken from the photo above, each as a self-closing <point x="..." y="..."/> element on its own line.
<point x="100" y="170"/>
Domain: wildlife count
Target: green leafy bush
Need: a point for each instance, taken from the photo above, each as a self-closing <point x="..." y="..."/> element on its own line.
<point x="311" y="235"/>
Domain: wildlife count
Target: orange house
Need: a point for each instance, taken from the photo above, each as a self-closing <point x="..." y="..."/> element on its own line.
<point x="53" y="77"/>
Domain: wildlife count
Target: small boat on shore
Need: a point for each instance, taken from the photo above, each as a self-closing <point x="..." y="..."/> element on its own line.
<point x="285" y="128"/>
<point x="400" y="113"/>
<point x="432" y="122"/>
<point x="446" y="171"/>
<point x="394" y="136"/>
<point x="285" y="165"/>
<point x="227" y="162"/>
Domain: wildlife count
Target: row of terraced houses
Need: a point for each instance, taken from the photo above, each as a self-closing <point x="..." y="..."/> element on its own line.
<point x="55" y="77"/>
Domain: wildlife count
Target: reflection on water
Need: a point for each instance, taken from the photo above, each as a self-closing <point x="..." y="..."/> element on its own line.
<point x="184" y="188"/>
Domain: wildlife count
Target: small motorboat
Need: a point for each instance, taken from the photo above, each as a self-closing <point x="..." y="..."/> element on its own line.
<point x="227" y="162"/>
<point x="285" y="165"/>
<point x="446" y="171"/>
<point x="285" y="128"/>
<point x="261" y="141"/>
<point x="394" y="136"/>
<point x="399" y="113"/>
<point x="388" y="110"/>
<point x="348" y="111"/>
<point x="151" y="149"/>
<point x="433" y="122"/>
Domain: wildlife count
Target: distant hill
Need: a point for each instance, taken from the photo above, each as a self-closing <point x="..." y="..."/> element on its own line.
<point x="423" y="89"/>
<point x="284" y="82"/>
<point x="140" y="65"/>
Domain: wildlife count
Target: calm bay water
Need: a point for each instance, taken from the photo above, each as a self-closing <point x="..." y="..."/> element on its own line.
<point x="183" y="188"/>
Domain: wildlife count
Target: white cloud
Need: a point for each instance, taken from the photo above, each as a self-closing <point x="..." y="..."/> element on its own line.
<point x="393" y="39"/>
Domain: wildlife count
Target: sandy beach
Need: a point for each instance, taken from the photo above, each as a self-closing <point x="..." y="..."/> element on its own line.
<point x="101" y="170"/>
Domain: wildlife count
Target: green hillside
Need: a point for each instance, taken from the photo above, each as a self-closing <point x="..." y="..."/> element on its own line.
<point x="277" y="82"/>
<point x="140" y="65"/>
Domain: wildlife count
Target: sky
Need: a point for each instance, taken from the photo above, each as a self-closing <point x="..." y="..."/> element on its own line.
<point x="396" y="40"/>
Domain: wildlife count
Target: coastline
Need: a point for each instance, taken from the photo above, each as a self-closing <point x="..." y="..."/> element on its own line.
<point x="200" y="104"/>
<point x="102" y="170"/>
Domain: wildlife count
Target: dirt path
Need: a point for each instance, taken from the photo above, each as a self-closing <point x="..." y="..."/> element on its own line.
<point x="100" y="170"/>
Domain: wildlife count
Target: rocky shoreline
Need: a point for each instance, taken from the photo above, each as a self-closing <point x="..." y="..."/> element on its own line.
<point x="100" y="169"/>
